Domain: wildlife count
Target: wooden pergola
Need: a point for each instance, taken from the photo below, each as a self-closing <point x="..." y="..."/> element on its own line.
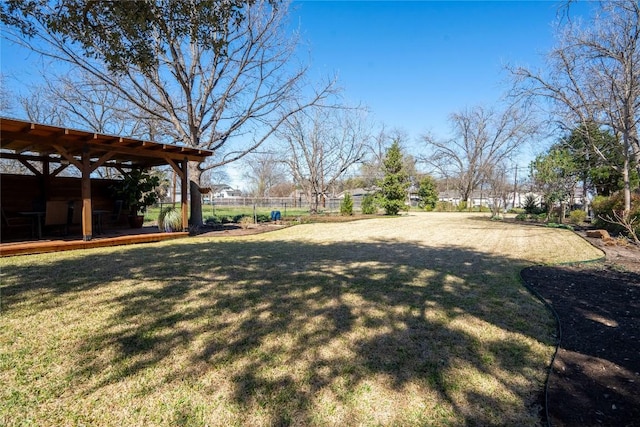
<point x="55" y="148"/>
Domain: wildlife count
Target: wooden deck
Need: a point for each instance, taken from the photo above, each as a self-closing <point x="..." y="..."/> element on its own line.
<point x="72" y="242"/>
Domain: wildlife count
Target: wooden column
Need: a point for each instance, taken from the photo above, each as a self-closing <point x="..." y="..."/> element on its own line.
<point x="180" y="168"/>
<point x="184" y="195"/>
<point x="87" y="215"/>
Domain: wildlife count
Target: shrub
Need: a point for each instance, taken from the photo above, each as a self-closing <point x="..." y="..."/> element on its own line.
<point x="530" y="205"/>
<point x="444" y="206"/>
<point x="604" y="207"/>
<point x="245" y="222"/>
<point x="346" y="206"/>
<point x="577" y="216"/>
<point x="170" y="219"/>
<point x="368" y="204"/>
<point x="263" y="218"/>
<point x="521" y="217"/>
<point x="212" y="220"/>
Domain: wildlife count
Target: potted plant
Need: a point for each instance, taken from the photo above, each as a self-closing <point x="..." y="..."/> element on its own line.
<point x="138" y="191"/>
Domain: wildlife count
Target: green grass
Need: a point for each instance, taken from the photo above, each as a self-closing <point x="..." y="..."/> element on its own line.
<point x="416" y="320"/>
<point x="207" y="211"/>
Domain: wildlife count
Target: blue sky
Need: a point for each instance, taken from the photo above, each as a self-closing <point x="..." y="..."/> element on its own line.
<point x="413" y="63"/>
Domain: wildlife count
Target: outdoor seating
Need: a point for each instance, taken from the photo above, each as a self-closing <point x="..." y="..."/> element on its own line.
<point x="11" y="223"/>
<point x="76" y="216"/>
<point x="114" y="217"/>
<point x="57" y="215"/>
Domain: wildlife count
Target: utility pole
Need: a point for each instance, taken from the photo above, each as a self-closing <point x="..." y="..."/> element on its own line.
<point x="515" y="187"/>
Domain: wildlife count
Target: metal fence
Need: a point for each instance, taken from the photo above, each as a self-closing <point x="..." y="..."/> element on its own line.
<point x="278" y="203"/>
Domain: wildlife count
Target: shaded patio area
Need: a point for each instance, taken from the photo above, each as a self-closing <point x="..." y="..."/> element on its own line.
<point x="83" y="200"/>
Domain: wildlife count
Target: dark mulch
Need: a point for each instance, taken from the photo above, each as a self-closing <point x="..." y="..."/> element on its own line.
<point x="595" y="377"/>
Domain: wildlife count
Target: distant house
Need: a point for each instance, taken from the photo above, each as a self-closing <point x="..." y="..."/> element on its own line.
<point x="357" y="192"/>
<point x="224" y="191"/>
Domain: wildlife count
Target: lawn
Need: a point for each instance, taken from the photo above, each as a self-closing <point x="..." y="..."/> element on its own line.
<point x="417" y="320"/>
<point x="208" y="211"/>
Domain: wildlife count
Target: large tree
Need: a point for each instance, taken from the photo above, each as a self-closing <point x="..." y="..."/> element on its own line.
<point x="590" y="146"/>
<point x="320" y="145"/>
<point x="593" y="77"/>
<point x="264" y="171"/>
<point x="555" y="174"/>
<point x="220" y="74"/>
<point x="482" y="139"/>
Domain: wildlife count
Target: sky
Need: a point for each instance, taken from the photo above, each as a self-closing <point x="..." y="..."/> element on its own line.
<point x="412" y="63"/>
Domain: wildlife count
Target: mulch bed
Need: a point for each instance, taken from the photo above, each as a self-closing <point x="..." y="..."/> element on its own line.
<point x="595" y="376"/>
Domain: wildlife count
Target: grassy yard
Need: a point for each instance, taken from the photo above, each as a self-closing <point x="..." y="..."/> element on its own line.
<point x="418" y="320"/>
<point x="208" y="211"/>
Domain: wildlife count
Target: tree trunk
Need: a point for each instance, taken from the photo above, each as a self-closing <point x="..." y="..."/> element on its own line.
<point x="195" y="218"/>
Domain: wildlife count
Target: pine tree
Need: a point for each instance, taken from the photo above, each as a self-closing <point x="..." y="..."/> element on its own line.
<point x="394" y="185"/>
<point x="428" y="193"/>
<point x="346" y="207"/>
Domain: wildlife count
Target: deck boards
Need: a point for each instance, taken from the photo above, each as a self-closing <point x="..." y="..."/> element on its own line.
<point x="44" y="246"/>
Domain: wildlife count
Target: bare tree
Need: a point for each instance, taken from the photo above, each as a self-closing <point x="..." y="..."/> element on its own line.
<point x="500" y="189"/>
<point x="482" y="139"/>
<point x="372" y="168"/>
<point x="593" y="77"/>
<point x="6" y="97"/>
<point x="219" y="74"/>
<point x="321" y="145"/>
<point x="264" y="171"/>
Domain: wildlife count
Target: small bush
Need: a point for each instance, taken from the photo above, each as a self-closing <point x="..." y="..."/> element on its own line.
<point x="521" y="217"/>
<point x="369" y="204"/>
<point x="169" y="220"/>
<point x="444" y="206"/>
<point x="245" y="222"/>
<point x="530" y="205"/>
<point x="346" y="206"/>
<point x="263" y="218"/>
<point x="226" y="219"/>
<point x="604" y="207"/>
<point x="577" y="216"/>
<point x="212" y="220"/>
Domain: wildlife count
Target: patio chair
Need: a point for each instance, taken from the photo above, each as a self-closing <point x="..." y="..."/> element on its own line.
<point x="57" y="215"/>
<point x="14" y="223"/>
<point x="76" y="216"/>
<point x="114" y="217"/>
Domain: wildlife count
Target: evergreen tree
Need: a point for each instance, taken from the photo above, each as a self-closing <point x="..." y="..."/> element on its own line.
<point x="428" y="193"/>
<point x="395" y="184"/>
<point x="346" y="207"/>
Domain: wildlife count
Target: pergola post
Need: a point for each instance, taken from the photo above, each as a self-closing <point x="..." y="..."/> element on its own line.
<point x="87" y="215"/>
<point x="180" y="168"/>
<point x="184" y="198"/>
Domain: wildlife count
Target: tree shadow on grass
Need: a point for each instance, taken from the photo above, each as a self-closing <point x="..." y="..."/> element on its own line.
<point x="303" y="333"/>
